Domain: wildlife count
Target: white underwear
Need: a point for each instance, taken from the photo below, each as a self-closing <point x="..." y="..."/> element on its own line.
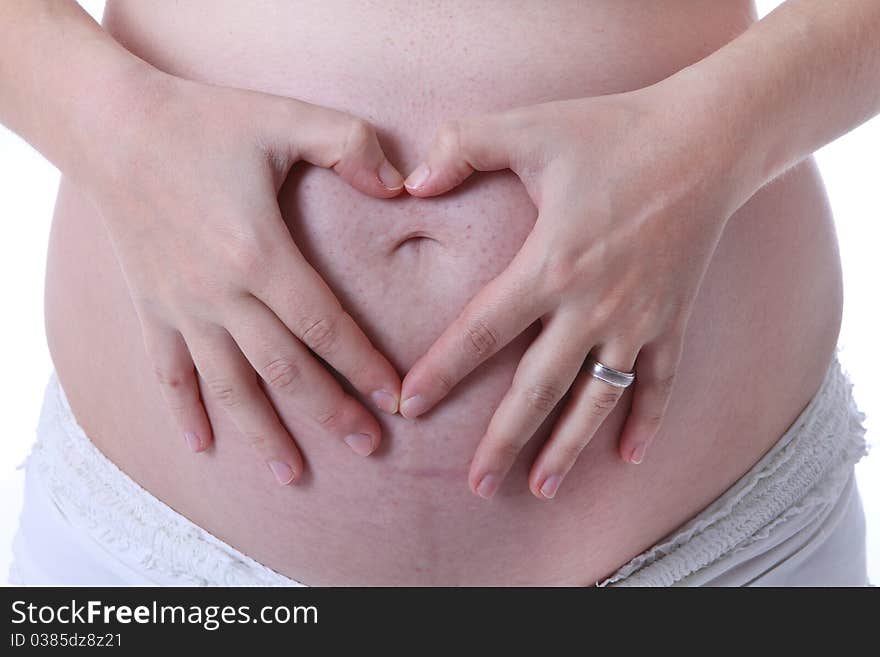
<point x="794" y="519"/>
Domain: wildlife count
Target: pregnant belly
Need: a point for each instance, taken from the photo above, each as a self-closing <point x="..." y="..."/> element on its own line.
<point x="404" y="268"/>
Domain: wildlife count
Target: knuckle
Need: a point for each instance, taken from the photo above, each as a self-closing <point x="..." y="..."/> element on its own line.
<point x="559" y="275"/>
<point x="281" y="373"/>
<point x="448" y="136"/>
<point x="665" y="384"/>
<point x="173" y="391"/>
<point x="505" y="450"/>
<point x="224" y="392"/>
<point x="444" y="382"/>
<point x="330" y="418"/>
<point x="644" y="317"/>
<point x="480" y="339"/>
<point x="602" y="403"/>
<point x="170" y="379"/>
<point x="360" y="135"/>
<point x="319" y="334"/>
<point x="191" y="283"/>
<point x="248" y="261"/>
<point x="652" y="419"/>
<point x="175" y="403"/>
<point x="543" y="396"/>
<point x="257" y="440"/>
<point x="607" y="310"/>
<point x="570" y="450"/>
<point x="518" y="118"/>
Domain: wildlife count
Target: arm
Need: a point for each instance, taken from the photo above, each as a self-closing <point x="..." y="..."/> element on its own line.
<point x="217" y="282"/>
<point x="794" y="81"/>
<point x="66" y="83"/>
<point x="633" y="191"/>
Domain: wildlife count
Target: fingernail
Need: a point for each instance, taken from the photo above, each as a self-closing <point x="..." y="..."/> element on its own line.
<point x="192" y="441"/>
<point x="385" y="401"/>
<point x="360" y="443"/>
<point x="390" y="177"/>
<point x="283" y="472"/>
<point x="550" y="486"/>
<point x="418" y="177"/>
<point x="638" y="453"/>
<point x="488" y="485"/>
<point x="413" y="406"/>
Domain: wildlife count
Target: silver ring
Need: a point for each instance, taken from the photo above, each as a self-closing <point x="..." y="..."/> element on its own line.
<point x="609" y="375"/>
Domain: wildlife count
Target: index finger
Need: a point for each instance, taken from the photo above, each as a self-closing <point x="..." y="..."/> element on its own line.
<point x="304" y="302"/>
<point x="499" y="312"/>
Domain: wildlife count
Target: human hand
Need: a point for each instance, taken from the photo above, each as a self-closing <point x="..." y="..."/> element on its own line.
<point x="189" y="198"/>
<point x="632" y="198"/>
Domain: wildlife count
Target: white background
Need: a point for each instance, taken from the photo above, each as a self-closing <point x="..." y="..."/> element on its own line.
<point x="850" y="167"/>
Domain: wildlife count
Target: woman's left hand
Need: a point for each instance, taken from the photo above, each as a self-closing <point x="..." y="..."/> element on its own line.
<point x="633" y="191"/>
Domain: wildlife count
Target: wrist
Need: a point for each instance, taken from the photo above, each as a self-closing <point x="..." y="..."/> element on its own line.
<point x="722" y="129"/>
<point x="110" y="115"/>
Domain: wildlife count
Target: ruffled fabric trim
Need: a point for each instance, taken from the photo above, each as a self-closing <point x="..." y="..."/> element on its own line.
<point x="808" y="467"/>
<point x="125" y="520"/>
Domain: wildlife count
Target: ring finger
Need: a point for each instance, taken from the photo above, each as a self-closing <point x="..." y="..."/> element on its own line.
<point x="229" y="378"/>
<point x="591" y="402"/>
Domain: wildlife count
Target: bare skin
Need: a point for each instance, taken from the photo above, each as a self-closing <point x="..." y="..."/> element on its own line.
<point x="601" y="270"/>
<point x="404" y="268"/>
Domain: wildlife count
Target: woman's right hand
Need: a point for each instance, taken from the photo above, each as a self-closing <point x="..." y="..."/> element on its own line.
<point x="188" y="193"/>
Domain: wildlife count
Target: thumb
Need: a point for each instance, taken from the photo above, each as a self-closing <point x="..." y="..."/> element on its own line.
<point x="349" y="145"/>
<point x="460" y="148"/>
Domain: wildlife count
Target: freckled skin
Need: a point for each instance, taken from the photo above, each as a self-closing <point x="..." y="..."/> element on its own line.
<point x="405" y="267"/>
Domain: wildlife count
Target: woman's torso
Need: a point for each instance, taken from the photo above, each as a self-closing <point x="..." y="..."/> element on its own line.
<point x="770" y="301"/>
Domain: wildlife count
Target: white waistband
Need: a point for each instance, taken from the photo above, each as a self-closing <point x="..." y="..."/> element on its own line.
<point x="135" y="534"/>
<point x="785" y="498"/>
